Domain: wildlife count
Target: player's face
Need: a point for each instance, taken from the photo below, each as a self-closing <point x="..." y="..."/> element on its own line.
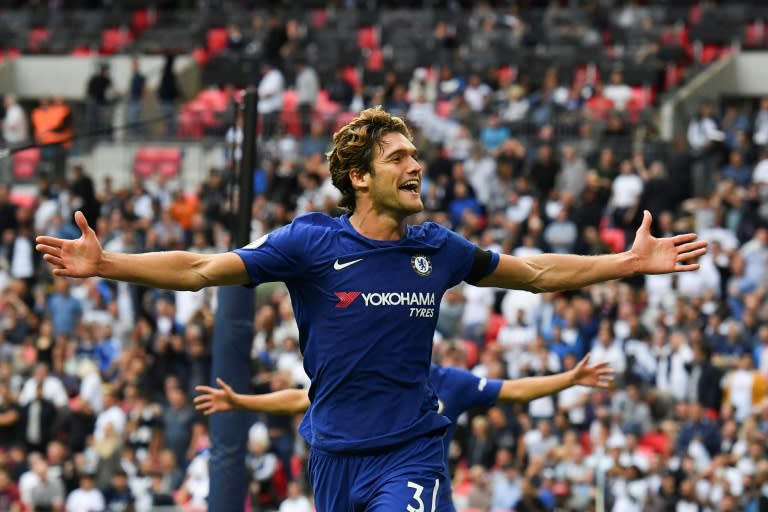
<point x="395" y="185"/>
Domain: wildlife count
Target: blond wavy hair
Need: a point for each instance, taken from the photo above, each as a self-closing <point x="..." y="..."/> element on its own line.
<point x="354" y="148"/>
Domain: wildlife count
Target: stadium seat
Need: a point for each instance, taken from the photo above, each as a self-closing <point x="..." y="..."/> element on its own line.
<point x="25" y="164"/>
<point x="367" y="38"/>
<point x="164" y="162"/>
<point x="36" y="37"/>
<point x="495" y="323"/>
<point x="114" y="40"/>
<point x="471" y="352"/>
<point x="375" y="60"/>
<point x="657" y="441"/>
<point x="201" y="56"/>
<point x="140" y="20"/>
<point x="23" y="200"/>
<point x="754" y="34"/>
<point x="216" y="39"/>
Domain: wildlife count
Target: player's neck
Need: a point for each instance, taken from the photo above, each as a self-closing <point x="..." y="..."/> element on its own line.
<point x="377" y="226"/>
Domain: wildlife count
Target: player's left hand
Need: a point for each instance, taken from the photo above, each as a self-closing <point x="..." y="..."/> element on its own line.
<point x="665" y="255"/>
<point x="213" y="400"/>
<point x="596" y="376"/>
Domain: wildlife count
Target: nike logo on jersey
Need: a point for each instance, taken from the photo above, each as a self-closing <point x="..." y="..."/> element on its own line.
<point x="341" y="266"/>
<point x="481" y="384"/>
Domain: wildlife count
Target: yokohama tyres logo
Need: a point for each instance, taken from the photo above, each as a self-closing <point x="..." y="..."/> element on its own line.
<point x="346" y="298"/>
<point x="376" y="299"/>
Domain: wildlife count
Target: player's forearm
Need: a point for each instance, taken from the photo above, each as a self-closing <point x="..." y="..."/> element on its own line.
<point x="170" y="270"/>
<point x="531" y="388"/>
<point x="555" y="272"/>
<point x="287" y="401"/>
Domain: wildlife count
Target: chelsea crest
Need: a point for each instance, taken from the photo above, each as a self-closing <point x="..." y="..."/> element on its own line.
<point x="421" y="265"/>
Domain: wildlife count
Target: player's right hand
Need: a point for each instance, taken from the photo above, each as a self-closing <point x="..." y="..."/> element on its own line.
<point x="213" y="400"/>
<point x="72" y="258"/>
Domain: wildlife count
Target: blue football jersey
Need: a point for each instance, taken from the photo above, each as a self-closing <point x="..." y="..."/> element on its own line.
<point x="366" y="311"/>
<point x="459" y="391"/>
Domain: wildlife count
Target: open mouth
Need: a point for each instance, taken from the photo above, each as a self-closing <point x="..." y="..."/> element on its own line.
<point x="412" y="186"/>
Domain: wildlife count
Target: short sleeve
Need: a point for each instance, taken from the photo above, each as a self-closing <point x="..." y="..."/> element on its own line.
<point x="475" y="391"/>
<point x="472" y="263"/>
<point x="278" y="256"/>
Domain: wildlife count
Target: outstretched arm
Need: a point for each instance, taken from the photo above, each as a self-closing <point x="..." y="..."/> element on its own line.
<point x="171" y="270"/>
<point x="555" y="272"/>
<point x="531" y="388"/>
<point x="286" y="401"/>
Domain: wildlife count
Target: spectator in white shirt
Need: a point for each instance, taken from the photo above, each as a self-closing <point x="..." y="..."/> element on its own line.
<point x="86" y="498"/>
<point x="671" y="373"/>
<point x="476" y="93"/>
<point x="15" y="125"/>
<point x="607" y="348"/>
<point x="295" y="500"/>
<point x="617" y="91"/>
<point x="112" y="414"/>
<point x="53" y="389"/>
<point x="270" y="91"/>
<point x="307" y="89"/>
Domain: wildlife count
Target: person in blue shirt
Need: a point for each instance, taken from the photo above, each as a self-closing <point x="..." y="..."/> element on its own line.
<point x="365" y="288"/>
<point x="458" y="391"/>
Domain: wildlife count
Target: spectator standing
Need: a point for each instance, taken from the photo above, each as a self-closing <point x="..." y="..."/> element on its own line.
<point x="64" y="309"/>
<point x="15" y="125"/>
<point x="97" y="100"/>
<point x="704" y="138"/>
<point x="168" y="93"/>
<point x="10" y="419"/>
<point x="136" y="92"/>
<point x="307" y="89"/>
<point x="46" y="492"/>
<point x="270" y="90"/>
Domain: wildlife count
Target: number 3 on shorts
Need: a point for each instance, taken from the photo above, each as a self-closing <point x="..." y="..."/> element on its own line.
<point x="417" y="490"/>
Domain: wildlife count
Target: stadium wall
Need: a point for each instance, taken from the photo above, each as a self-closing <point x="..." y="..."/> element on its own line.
<point x="737" y="75"/>
<point x="67" y="77"/>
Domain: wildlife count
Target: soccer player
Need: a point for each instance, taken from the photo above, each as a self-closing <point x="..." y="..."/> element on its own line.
<point x="457" y="391"/>
<point x="365" y="289"/>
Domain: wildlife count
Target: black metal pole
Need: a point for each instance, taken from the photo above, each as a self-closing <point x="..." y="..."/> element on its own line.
<point x="247" y="166"/>
<point x="233" y="334"/>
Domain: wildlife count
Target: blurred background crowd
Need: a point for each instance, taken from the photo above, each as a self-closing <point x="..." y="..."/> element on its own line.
<point x="537" y="126"/>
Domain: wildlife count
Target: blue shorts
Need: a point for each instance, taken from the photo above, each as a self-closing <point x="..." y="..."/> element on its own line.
<point x="409" y="478"/>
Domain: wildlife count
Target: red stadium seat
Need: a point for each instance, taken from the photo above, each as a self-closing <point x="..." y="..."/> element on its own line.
<point x="216" y="39"/>
<point x="200" y="55"/>
<point x="164" y="162"/>
<point x="471" y="352"/>
<point x="614" y="238"/>
<point x="495" y="323"/>
<point x="367" y="38"/>
<point x="350" y="75"/>
<point x="375" y="60"/>
<point x="81" y="51"/>
<point x="22" y="200"/>
<point x="114" y="40"/>
<point x="36" y="36"/>
<point x="140" y="20"/>
<point x="214" y="99"/>
<point x="319" y="18"/>
<point x="25" y="163"/>
<point x="754" y="34"/>
<point x="656" y="441"/>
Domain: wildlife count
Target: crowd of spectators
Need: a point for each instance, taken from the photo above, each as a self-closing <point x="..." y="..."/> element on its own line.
<point x="96" y="377"/>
